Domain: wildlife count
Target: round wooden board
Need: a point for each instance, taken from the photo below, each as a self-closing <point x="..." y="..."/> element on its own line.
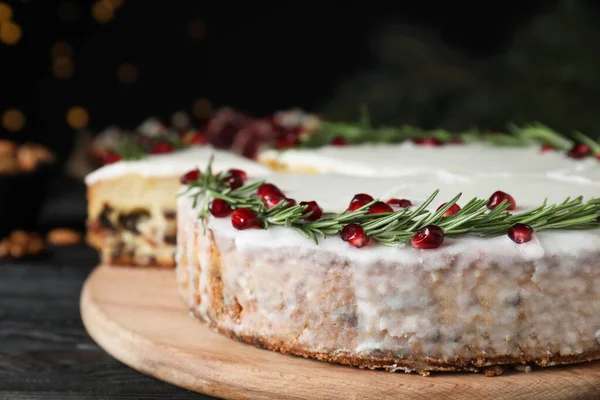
<point x="136" y="315"/>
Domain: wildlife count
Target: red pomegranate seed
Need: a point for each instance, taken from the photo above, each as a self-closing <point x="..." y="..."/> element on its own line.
<point x="359" y="200"/>
<point x="429" y="237"/>
<point x="244" y="218"/>
<point x="272" y="201"/>
<point x="598" y="157"/>
<point x="417" y="140"/>
<point x="433" y="142"/>
<point x="219" y="208"/>
<point x="286" y="142"/>
<point x="355" y="235"/>
<point x="339" y="141"/>
<point x="238" y="172"/>
<point x="520" y="233"/>
<point x="268" y="189"/>
<point x="234" y="181"/>
<point x="455" y="208"/>
<point x="111" y="158"/>
<point x="402" y="203"/>
<point x="546" y="148"/>
<point x="190" y="176"/>
<point x="162" y="148"/>
<point x="313" y="208"/>
<point x="380" y="207"/>
<point x="198" y="138"/>
<point x="579" y="150"/>
<point x="500" y="196"/>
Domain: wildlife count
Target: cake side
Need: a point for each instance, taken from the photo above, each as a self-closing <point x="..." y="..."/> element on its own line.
<point x="323" y="305"/>
<point x="472" y="303"/>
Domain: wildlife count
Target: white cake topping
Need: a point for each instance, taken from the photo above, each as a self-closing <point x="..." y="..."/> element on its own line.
<point x="176" y="164"/>
<point x="334" y="192"/>
<point x="414" y="172"/>
<point x="408" y="159"/>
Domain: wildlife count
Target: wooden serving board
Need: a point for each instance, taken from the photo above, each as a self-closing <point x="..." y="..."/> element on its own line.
<point x="136" y="315"/>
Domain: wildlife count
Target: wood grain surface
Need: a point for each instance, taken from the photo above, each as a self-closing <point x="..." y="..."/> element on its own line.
<point x="136" y="316"/>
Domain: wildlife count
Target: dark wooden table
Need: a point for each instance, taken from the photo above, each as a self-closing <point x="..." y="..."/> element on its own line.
<point x="45" y="352"/>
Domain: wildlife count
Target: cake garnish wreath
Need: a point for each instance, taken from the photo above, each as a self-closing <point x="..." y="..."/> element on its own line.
<point x="393" y="222"/>
<point x="577" y="145"/>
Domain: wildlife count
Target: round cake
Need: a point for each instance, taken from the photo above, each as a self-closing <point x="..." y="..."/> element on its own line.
<point x="390" y="268"/>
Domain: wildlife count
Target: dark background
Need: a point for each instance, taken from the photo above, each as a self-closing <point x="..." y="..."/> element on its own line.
<point x="428" y="63"/>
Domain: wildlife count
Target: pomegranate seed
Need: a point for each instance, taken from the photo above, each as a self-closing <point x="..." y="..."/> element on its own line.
<point x="380" y="207"/>
<point x="355" y="235"/>
<point x="455" y="208"/>
<point x="417" y="140"/>
<point x="359" y="200"/>
<point x="598" y="157"/>
<point x="162" y="148"/>
<point x="429" y="237"/>
<point x="546" y="148"/>
<point x="286" y="142"/>
<point x="313" y="208"/>
<point x="402" y="203"/>
<point x="268" y="189"/>
<point x="433" y="142"/>
<point x="579" y="150"/>
<point x="520" y="233"/>
<point x="234" y="181"/>
<point x="190" y="176"/>
<point x="198" y="138"/>
<point x="219" y="208"/>
<point x="500" y="196"/>
<point x="272" y="201"/>
<point x="111" y="158"/>
<point x="241" y="174"/>
<point x="244" y="218"/>
<point x="339" y="141"/>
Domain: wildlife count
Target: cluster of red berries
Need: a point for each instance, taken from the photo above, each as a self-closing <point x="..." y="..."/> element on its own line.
<point x="431" y="236"/>
<point x="245" y="218"/>
<point x="158" y="145"/>
<point x="578" y="151"/>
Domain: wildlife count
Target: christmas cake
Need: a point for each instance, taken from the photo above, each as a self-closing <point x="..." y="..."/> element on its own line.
<point x="132" y="203"/>
<point x="405" y="257"/>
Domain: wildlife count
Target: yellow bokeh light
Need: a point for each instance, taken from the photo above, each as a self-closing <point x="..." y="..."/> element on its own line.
<point x="102" y="12"/>
<point x="13" y="120"/>
<point x="127" y="73"/>
<point x="201" y="108"/>
<point x="62" y="67"/>
<point x="10" y="33"/>
<point x="61" y="49"/>
<point x="6" y="12"/>
<point x="77" y="117"/>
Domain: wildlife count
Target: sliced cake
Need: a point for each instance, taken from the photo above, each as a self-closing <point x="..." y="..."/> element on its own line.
<point x="132" y="204"/>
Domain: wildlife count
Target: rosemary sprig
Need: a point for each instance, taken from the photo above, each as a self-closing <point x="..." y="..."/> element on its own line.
<point x="134" y="146"/>
<point x="396" y="228"/>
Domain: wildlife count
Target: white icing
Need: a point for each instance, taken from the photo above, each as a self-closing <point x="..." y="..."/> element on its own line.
<point x="176" y="164"/>
<point x="408" y="159"/>
<point x="334" y="192"/>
